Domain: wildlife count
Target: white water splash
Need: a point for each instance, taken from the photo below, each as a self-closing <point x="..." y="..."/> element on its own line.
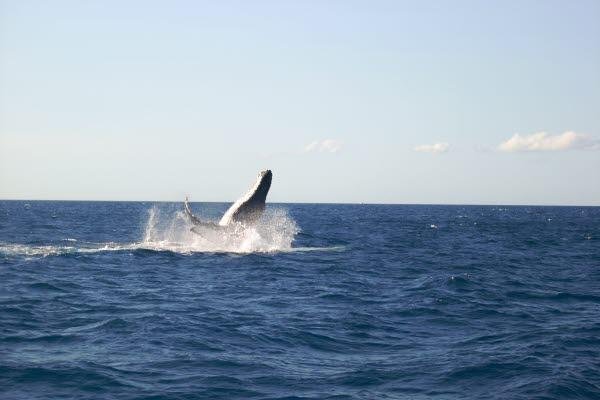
<point x="275" y="231"/>
<point x="10" y="249"/>
<point x="33" y="251"/>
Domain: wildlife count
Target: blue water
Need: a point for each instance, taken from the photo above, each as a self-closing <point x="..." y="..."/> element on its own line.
<point x="120" y="301"/>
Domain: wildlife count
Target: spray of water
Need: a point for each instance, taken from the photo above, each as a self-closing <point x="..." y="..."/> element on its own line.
<point x="274" y="232"/>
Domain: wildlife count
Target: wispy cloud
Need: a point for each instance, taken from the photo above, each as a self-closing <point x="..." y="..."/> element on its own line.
<point x="324" y="146"/>
<point x="542" y="141"/>
<point x="435" y="148"/>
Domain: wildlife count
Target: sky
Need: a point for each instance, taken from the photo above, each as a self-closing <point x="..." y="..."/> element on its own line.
<point x="436" y="102"/>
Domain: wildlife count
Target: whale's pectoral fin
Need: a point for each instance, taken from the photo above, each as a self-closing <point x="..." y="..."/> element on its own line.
<point x="188" y="212"/>
<point x="195" y="220"/>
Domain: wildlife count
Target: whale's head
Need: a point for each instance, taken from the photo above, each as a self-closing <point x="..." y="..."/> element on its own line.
<point x="249" y="208"/>
<point x="264" y="184"/>
<point x="266" y="174"/>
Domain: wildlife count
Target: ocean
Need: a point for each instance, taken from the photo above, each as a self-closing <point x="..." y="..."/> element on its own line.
<point x="119" y="300"/>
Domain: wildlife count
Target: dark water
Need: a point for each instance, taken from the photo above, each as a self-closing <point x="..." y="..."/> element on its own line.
<point x="371" y="302"/>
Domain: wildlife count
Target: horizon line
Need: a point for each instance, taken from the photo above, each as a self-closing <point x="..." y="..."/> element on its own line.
<point x="316" y="203"/>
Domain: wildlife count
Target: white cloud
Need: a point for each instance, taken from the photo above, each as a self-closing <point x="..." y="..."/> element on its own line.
<point x="435" y="148"/>
<point x="326" y="145"/>
<point x="541" y="141"/>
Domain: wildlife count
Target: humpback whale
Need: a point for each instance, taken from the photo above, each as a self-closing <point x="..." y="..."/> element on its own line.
<point x="246" y="210"/>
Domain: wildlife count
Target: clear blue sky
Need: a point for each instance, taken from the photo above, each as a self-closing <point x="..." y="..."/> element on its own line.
<point x="346" y="101"/>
